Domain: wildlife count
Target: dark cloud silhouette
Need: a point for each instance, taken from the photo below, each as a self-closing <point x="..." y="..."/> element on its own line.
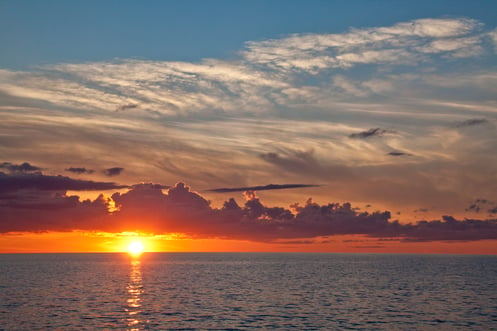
<point x="80" y="171"/>
<point x="375" y="132"/>
<point x="37" y="181"/>
<point x="126" y="107"/>
<point x="151" y="185"/>
<point x="451" y="229"/>
<point x="261" y="188"/>
<point x="19" y="168"/>
<point x="113" y="171"/>
<point x="471" y="122"/>
<point x="146" y="207"/>
<point x="398" y="154"/>
<point x="481" y="204"/>
<point x="473" y="207"/>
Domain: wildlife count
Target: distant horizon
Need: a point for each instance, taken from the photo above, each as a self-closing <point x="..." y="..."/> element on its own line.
<point x="268" y="252"/>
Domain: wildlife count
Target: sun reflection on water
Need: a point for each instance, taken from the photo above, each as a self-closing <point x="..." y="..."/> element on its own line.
<point x="135" y="290"/>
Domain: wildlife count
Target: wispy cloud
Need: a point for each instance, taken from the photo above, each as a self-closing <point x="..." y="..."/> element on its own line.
<point x="264" y="75"/>
<point x="403" y="43"/>
<point x="471" y="122"/>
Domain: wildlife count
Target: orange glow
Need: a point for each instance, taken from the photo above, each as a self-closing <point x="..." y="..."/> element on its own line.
<point x="79" y="241"/>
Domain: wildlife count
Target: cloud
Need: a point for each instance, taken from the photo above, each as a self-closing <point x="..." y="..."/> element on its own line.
<point x="279" y="111"/>
<point x="116" y="171"/>
<point x="19" y="168"/>
<point x="257" y="80"/>
<point x="471" y="122"/>
<point x="451" y="229"/>
<point x="37" y="181"/>
<point x="300" y="162"/>
<point x="404" y="43"/>
<point x="493" y="36"/>
<point x="80" y="170"/>
<point x="375" y="132"/>
<point x="395" y="153"/>
<point x="150" y="185"/>
<point x="127" y="106"/>
<point x="261" y="188"/>
<point x="482" y="204"/>
<point x="474" y="207"/>
<point x="147" y="208"/>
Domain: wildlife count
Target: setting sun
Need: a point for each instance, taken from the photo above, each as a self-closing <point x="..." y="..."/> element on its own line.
<point x="135" y="248"/>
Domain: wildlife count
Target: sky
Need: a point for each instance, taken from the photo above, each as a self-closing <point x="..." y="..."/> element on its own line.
<point x="324" y="126"/>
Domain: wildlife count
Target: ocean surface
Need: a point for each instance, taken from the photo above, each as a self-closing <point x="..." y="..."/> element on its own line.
<point x="247" y="291"/>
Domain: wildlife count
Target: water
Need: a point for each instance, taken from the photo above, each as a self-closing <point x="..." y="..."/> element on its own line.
<point x="226" y="291"/>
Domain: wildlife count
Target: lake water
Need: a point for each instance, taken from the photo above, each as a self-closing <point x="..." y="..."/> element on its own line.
<point x="246" y="291"/>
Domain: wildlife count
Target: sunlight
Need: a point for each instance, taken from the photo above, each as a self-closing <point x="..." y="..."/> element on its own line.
<point x="135" y="248"/>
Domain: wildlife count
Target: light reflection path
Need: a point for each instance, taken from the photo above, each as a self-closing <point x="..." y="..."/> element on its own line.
<point x="135" y="290"/>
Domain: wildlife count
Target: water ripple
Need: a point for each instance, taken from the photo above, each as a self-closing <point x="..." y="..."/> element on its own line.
<point x="247" y="291"/>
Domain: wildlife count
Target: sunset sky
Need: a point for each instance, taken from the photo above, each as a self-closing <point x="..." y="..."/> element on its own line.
<point x="325" y="126"/>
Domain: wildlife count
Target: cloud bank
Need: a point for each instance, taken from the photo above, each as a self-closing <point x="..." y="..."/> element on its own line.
<point x="40" y="182"/>
<point x="146" y="207"/>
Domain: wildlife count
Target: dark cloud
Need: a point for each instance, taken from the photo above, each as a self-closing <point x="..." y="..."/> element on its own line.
<point x="375" y="132"/>
<point x="150" y="185"/>
<point x="37" y="181"/>
<point x="261" y="188"/>
<point x="80" y="171"/>
<point x="481" y="204"/>
<point x="113" y="171"/>
<point x="474" y="207"/>
<point x="471" y="122"/>
<point x="451" y="229"/>
<point x="127" y="106"/>
<point x="146" y="207"/>
<point x="19" y="168"/>
<point x="398" y="154"/>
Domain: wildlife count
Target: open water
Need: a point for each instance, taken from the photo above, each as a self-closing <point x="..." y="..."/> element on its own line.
<point x="247" y="291"/>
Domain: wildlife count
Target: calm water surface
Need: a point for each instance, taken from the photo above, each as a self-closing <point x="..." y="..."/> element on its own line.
<point x="237" y="291"/>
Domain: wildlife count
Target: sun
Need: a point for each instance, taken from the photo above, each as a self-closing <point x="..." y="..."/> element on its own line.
<point x="135" y="248"/>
